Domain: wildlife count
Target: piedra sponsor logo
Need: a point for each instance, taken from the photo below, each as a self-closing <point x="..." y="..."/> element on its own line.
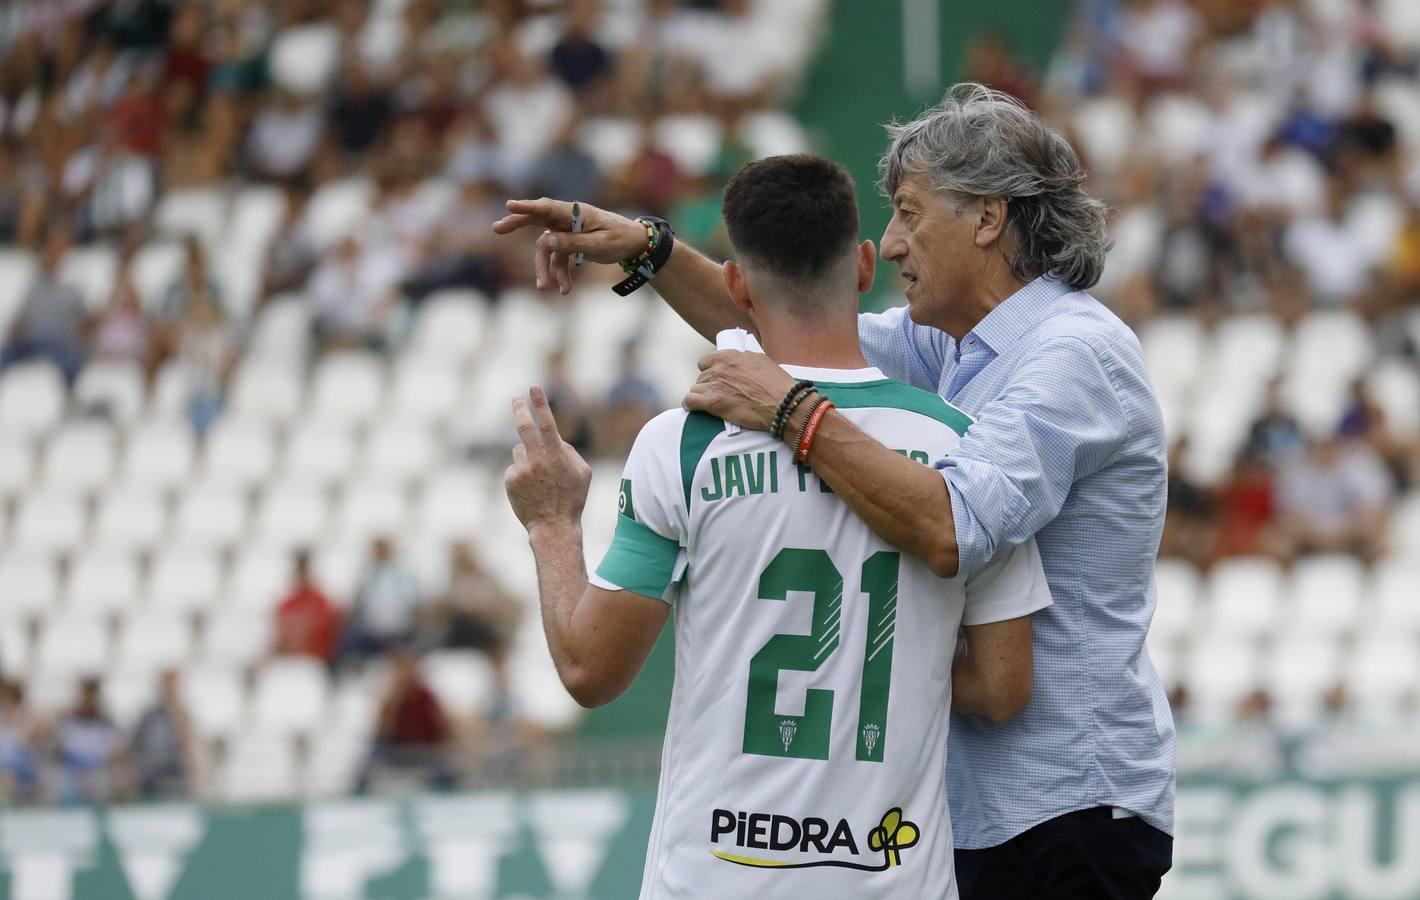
<point x="814" y="842"/>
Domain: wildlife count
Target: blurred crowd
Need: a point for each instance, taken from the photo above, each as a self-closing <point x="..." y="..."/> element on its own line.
<point x="1260" y="158"/>
<point x="107" y="105"/>
<point x="84" y="756"/>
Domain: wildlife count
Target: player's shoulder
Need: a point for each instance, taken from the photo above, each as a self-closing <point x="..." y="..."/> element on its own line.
<point x="886" y="393"/>
<point x="676" y="432"/>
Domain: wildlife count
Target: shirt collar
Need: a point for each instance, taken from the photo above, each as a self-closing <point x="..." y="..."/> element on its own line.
<point x="1019" y="312"/>
<point x="835" y="376"/>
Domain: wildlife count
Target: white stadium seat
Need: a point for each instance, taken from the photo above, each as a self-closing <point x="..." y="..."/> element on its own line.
<point x="17" y="466"/>
<point x="1396" y="587"/>
<point x="1405" y="527"/>
<point x="259" y="768"/>
<point x="184" y="579"/>
<point x="154" y="641"/>
<point x="319" y="454"/>
<point x="265" y="391"/>
<point x="1178" y="591"/>
<point x="102" y="582"/>
<point x="130" y="519"/>
<point x="216" y="700"/>
<point x="259" y="578"/>
<point x="337" y="209"/>
<point x="452" y="504"/>
<point x="283" y="331"/>
<point x="92" y="270"/>
<point x="80" y="457"/>
<point x="1324" y="596"/>
<point x="1244" y="595"/>
<point x="291" y="514"/>
<point x="450" y="327"/>
<point x="115" y="388"/>
<point x="400" y="453"/>
<point x="128" y="694"/>
<point x="73" y="643"/>
<point x="369" y="509"/>
<point x="239" y="452"/>
<point x="425" y="392"/>
<point x="256" y="216"/>
<point x="17" y="269"/>
<point x="692" y="140"/>
<point x="14" y="645"/>
<point x="290" y="695"/>
<point x="155" y="268"/>
<point x="1382" y="673"/>
<point x="338" y="567"/>
<point x="1298" y="673"/>
<point x="159" y="455"/>
<point x="304" y="58"/>
<point x="1221" y="669"/>
<point x="29" y="584"/>
<point x="461" y="679"/>
<point x="347" y="388"/>
<point x="211" y="515"/>
<point x="32" y="398"/>
<point x="49" y="521"/>
<point x="195" y="212"/>
<point x="237" y="638"/>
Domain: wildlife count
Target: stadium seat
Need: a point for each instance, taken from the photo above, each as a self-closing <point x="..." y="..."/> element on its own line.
<point x="1298" y="673"/>
<point x="772" y="132"/>
<point x="266" y="392"/>
<point x="257" y="211"/>
<point x="461" y="679"/>
<point x="1396" y="388"/>
<point x="259" y="768"/>
<point x="1324" y="596"/>
<point x="1244" y="596"/>
<point x="128" y="694"/>
<point x="32" y="398"/>
<point x="452" y="502"/>
<point x="17" y="466"/>
<point x="199" y="212"/>
<point x="338" y="208"/>
<point x="356" y="704"/>
<point x="450" y="327"/>
<point x="1178" y="128"/>
<point x="1382" y="673"/>
<point x="425" y="392"/>
<point x="335" y="759"/>
<point x="236" y="638"/>
<point x="102" y="582"/>
<point x="155" y="268"/>
<point x="611" y="141"/>
<point x="184" y="579"/>
<point x="693" y="141"/>
<point x="17" y="268"/>
<point x="80" y="457"/>
<point x="368" y="509"/>
<point x="346" y="388"/>
<point x="239" y="453"/>
<point x="92" y="270"/>
<point x="319" y="454"/>
<point x="50" y="693"/>
<point x="283" y="331"/>
<point x="159" y="455"/>
<point x="215" y="698"/>
<point x="113" y="388"/>
<point x="29" y="584"/>
<point x="537" y="691"/>
<point x="258" y="578"/>
<point x="526" y="325"/>
<point x="1173" y="350"/>
<point x="130" y="519"/>
<point x="1220" y="670"/>
<point x="1405" y="526"/>
<point x="151" y="642"/>
<point x="171" y="392"/>
<point x="338" y="565"/>
<point x="290" y="696"/>
<point x="304" y="58"/>
<point x="211" y="515"/>
<point x="14" y="645"/>
<point x="74" y="643"/>
<point x="400" y="453"/>
<point x="1249" y="348"/>
<point x="48" y="522"/>
<point x="1396" y="588"/>
<point x="1178" y="592"/>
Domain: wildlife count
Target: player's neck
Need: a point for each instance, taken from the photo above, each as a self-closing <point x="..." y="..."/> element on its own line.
<point x="821" y="346"/>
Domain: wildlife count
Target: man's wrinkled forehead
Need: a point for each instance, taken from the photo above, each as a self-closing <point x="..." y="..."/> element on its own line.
<point x="911" y="190"/>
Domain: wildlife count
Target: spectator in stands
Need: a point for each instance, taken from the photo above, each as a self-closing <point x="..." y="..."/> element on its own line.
<point x="631" y="402"/>
<point x="20" y="734"/>
<point x="1188" y="522"/>
<point x="362" y="109"/>
<point x="52" y="322"/>
<point x="387" y="606"/>
<point x="294" y="250"/>
<point x="307" y="623"/>
<point x="283" y="138"/>
<point x="1247" y="510"/>
<point x="1275" y="435"/>
<point x="1334" y="499"/>
<point x="163" y="745"/>
<point x="412" y="733"/>
<point x="578" y="58"/>
<point x="206" y="350"/>
<point x="477" y="613"/>
<point x="113" y="187"/>
<point x="572" y="410"/>
<point x="90" y="749"/>
<point x="352" y="295"/>
<point x="567" y="170"/>
<point x="462" y="252"/>
<point x="124" y="333"/>
<point x="193" y="286"/>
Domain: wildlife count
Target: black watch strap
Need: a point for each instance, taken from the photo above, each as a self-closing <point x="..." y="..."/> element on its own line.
<point x="653" y="262"/>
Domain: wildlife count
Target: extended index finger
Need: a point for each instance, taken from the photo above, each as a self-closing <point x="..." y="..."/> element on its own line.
<point x="544" y="211"/>
<point x="527" y="431"/>
<point x="542" y="414"/>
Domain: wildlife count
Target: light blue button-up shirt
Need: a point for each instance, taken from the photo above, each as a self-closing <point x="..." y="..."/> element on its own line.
<point x="1068" y="445"/>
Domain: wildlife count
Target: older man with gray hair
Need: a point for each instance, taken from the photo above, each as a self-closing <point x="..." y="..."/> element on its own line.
<point x="998" y="243"/>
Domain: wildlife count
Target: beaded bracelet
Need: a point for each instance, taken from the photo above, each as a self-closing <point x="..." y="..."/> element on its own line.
<point x="791" y="402"/>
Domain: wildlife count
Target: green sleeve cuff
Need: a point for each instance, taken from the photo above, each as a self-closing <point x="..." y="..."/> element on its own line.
<point x="639" y="560"/>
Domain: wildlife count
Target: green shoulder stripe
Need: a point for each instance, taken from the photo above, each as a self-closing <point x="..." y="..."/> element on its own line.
<point x="695" y="437"/>
<point x="896" y="395"/>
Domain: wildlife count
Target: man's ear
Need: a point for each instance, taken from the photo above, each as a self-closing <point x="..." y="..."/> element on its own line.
<point x="867" y="266"/>
<point x="991" y="221"/>
<point x="737" y="285"/>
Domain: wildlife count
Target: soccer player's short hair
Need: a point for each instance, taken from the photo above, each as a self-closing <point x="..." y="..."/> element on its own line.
<point x="792" y="216"/>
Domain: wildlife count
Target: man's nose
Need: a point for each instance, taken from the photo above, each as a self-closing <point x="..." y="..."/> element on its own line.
<point x="892" y="246"/>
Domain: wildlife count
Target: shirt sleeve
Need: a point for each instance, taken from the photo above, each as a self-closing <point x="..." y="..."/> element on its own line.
<point x="1059" y="419"/>
<point x="1010" y="586"/>
<point x="651" y="519"/>
<point x="902" y="349"/>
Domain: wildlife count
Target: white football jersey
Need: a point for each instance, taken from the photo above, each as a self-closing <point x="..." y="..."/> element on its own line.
<point x="805" y="754"/>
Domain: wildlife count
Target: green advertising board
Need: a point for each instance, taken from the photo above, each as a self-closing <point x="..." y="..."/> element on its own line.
<point x="1348" y="839"/>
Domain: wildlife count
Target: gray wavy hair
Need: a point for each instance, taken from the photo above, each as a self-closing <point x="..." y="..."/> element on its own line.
<point x="980" y="142"/>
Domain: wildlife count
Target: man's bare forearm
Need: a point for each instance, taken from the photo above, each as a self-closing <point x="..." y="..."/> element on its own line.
<point x="561" y="582"/>
<point x="904" y="502"/>
<point x="692" y="285"/>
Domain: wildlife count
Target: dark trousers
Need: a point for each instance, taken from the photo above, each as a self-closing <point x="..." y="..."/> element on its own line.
<point x="1085" y="855"/>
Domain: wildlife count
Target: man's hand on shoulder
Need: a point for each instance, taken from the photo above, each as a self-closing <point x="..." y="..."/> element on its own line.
<point x="743" y="388"/>
<point x="548" y="481"/>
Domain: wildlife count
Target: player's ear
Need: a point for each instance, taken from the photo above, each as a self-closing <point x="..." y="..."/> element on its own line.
<point x="737" y="285"/>
<point x="991" y="221"/>
<point x="867" y="266"/>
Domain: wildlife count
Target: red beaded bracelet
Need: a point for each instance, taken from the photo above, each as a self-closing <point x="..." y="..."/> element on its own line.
<point x="806" y="439"/>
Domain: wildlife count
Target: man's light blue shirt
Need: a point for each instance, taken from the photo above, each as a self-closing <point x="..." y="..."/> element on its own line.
<point x="1068" y="445"/>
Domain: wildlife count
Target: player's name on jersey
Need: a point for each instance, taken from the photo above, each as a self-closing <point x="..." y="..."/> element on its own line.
<point x="749" y="474"/>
